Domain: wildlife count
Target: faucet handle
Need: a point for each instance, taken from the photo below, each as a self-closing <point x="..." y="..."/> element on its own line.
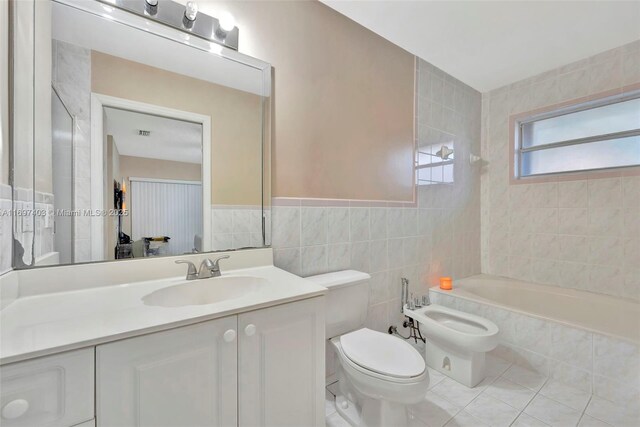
<point x="211" y="268"/>
<point x="217" y="260"/>
<point x="192" y="272"/>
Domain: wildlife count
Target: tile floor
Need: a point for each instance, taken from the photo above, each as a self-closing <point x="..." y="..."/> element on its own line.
<point x="509" y="396"/>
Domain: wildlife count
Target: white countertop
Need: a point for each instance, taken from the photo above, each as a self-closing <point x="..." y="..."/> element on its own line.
<point x="50" y="323"/>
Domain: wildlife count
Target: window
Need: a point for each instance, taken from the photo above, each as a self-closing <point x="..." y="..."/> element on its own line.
<point x="434" y="164"/>
<point x="595" y="135"/>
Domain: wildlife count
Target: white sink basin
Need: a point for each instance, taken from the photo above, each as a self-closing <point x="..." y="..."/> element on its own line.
<point x="205" y="291"/>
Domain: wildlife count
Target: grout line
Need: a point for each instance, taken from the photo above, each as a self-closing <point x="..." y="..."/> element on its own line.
<point x="584" y="411"/>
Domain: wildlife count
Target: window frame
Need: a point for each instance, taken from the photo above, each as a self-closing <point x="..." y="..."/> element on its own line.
<point x="564" y="109"/>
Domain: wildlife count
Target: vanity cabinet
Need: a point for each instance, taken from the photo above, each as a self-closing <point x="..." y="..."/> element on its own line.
<point x="281" y="365"/>
<point x="261" y="368"/>
<point x="181" y="377"/>
<point x="52" y="391"/>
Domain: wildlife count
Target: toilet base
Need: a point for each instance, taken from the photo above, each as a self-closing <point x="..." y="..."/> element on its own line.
<point x="463" y="366"/>
<point x="348" y="410"/>
<point x="374" y="412"/>
<point x="382" y="413"/>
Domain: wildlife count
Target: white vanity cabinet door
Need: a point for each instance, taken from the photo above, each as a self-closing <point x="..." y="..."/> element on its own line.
<point x="281" y="365"/>
<point x="181" y="377"/>
<point x="48" y="391"/>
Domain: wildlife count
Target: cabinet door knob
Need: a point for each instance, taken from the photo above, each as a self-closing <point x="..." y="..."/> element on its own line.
<point x="229" y="336"/>
<point x="15" y="409"/>
<point x="250" y="330"/>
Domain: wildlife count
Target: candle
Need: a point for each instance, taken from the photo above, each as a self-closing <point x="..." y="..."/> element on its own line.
<point x="445" y="283"/>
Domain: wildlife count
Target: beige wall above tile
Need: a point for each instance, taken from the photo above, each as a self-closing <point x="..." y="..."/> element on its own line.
<point x="344" y="101"/>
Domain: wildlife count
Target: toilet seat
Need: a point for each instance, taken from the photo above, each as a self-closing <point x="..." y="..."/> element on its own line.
<point x="382" y="355"/>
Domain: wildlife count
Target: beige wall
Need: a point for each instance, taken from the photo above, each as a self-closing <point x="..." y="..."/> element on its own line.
<point x="4" y="93"/>
<point x="22" y="145"/>
<point x="344" y="101"/>
<point x="571" y="231"/>
<point x="154" y="168"/>
<point x="236" y="120"/>
<point x="32" y="103"/>
<point x="6" y="239"/>
<point x="42" y="112"/>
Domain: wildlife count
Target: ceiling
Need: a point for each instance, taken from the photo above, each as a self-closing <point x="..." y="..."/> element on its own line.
<point x="170" y="139"/>
<point x="489" y="44"/>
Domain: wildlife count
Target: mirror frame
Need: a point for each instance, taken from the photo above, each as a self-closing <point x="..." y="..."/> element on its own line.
<point x="103" y="9"/>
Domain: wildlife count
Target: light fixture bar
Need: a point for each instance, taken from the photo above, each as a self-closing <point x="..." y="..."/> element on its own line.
<point x="178" y="16"/>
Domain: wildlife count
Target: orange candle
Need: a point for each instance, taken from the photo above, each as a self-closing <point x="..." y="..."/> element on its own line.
<point x="445" y="283"/>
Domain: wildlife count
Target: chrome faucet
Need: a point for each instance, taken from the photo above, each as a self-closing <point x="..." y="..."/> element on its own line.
<point x="192" y="272"/>
<point x="208" y="268"/>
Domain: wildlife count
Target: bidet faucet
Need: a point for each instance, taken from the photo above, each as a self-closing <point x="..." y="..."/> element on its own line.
<point x="404" y="298"/>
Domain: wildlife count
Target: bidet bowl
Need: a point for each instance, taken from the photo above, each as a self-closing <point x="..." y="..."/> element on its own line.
<point x="465" y="331"/>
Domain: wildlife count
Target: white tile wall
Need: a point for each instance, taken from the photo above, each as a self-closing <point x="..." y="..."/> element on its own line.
<point x="438" y="235"/>
<point x="234" y="227"/>
<point x="580" y="234"/>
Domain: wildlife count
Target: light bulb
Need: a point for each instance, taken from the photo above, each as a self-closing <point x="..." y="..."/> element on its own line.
<point x="227" y="22"/>
<point x="191" y="10"/>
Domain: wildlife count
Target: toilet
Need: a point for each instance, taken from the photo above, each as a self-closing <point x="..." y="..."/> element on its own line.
<point x="456" y="341"/>
<point x="379" y="374"/>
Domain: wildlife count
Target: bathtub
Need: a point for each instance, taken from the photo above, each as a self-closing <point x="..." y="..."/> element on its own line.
<point x="588" y="340"/>
<point x="602" y="314"/>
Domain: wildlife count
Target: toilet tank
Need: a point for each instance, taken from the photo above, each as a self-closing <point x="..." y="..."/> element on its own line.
<point x="346" y="302"/>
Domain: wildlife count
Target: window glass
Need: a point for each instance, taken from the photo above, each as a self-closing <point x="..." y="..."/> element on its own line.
<point x="600" y="135"/>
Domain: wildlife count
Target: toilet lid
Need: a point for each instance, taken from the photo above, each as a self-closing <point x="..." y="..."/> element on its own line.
<point x="382" y="353"/>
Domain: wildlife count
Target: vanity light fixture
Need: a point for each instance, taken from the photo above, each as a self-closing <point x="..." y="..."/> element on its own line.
<point x="227" y="24"/>
<point x="190" y="14"/>
<point x="191" y="10"/>
<point x="185" y="18"/>
<point x="151" y="7"/>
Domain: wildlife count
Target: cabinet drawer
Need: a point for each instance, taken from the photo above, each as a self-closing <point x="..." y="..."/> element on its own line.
<point x="48" y="391"/>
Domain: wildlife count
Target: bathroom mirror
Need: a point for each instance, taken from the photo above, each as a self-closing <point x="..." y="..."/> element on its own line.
<point x="132" y="139"/>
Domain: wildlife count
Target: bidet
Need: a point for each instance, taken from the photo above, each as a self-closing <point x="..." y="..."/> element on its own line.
<point x="456" y="342"/>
